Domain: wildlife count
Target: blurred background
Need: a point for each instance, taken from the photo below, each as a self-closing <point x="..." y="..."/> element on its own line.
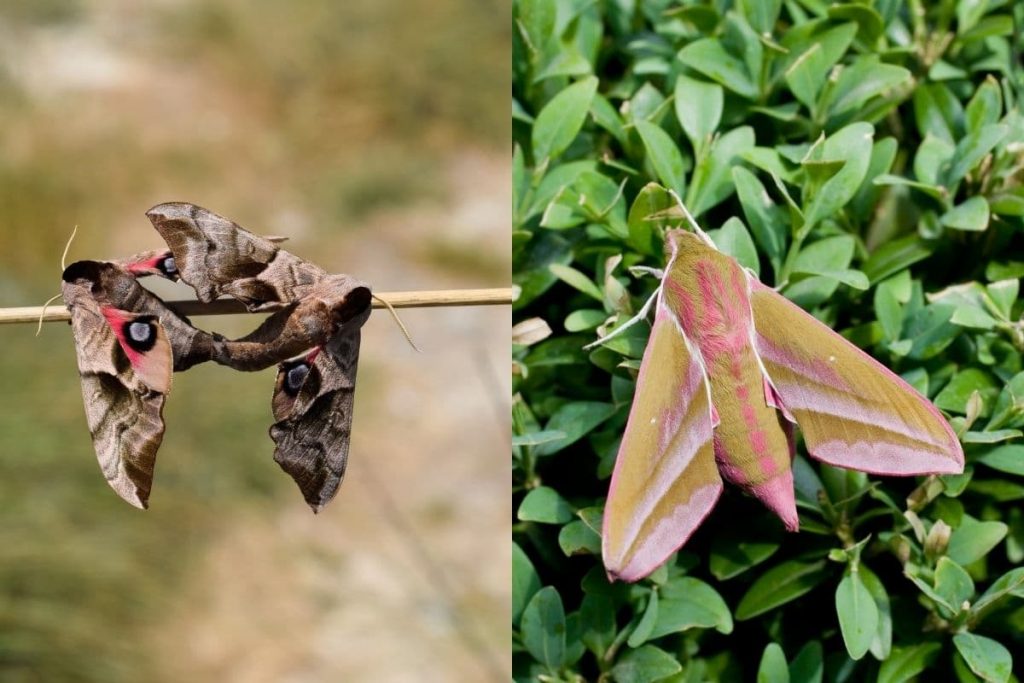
<point x="374" y="134"/>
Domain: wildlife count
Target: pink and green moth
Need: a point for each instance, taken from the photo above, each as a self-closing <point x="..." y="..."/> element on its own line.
<point x="730" y="366"/>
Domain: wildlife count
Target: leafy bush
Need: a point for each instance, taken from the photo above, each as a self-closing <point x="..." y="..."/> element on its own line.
<point x="866" y="158"/>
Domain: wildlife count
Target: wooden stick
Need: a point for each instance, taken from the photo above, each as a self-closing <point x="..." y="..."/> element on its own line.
<point x="420" y="299"/>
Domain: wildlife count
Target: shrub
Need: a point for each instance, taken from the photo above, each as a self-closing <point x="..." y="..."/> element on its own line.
<point x="866" y="158"/>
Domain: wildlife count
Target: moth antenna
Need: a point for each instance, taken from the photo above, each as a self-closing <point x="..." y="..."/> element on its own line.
<point x="39" y="328"/>
<point x="398" y="321"/>
<point x="64" y="258"/>
<point x="642" y="314"/>
<point x="691" y="220"/>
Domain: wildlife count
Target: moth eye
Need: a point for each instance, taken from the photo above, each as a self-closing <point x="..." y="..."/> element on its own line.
<point x="296" y="376"/>
<point x="140" y="332"/>
<point x="170" y="267"/>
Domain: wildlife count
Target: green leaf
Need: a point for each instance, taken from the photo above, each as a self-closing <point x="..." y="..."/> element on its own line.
<point x="664" y="156"/>
<point x="543" y="504"/>
<point x="597" y="617"/>
<point x="576" y="420"/>
<point x="1009" y="407"/>
<point x="576" y="279"/>
<point x="578" y="538"/>
<point x="930" y="162"/>
<point x="972" y="149"/>
<point x="536" y="438"/>
<point x="864" y="79"/>
<point x="733" y="239"/>
<point x="712" y="182"/>
<point x="1008" y="458"/>
<point x="969" y="316"/>
<point x="894" y="256"/>
<point x="762" y="215"/>
<point x="881" y="643"/>
<point x="642" y="633"/>
<point x="858" y="615"/>
<point x="985" y="106"/>
<point x="761" y="14"/>
<point x="537" y="20"/>
<point x="698" y="107"/>
<point x="644" y="231"/>
<point x="986" y="657"/>
<point x="731" y="558"/>
<point x="954" y="396"/>
<point x="888" y="309"/>
<point x="1003" y="295"/>
<point x="906" y="662"/>
<point x="561" y="119"/>
<point x="543" y="628"/>
<point x="937" y="112"/>
<point x="973" y="539"/>
<point x="851" y="144"/>
<point x="584" y="319"/>
<point x="773" y="667"/>
<point x="525" y="581"/>
<point x="688" y="603"/>
<point x="971" y="215"/>
<point x="807" y="74"/>
<point x="1010" y="583"/>
<point x="953" y="582"/>
<point x="780" y="584"/>
<point x="808" y="666"/>
<point x="646" y="664"/>
<point x="869" y="22"/>
<point x="709" y="57"/>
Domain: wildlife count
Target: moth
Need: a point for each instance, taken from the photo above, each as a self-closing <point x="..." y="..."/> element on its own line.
<point x="314" y="394"/>
<point x="128" y="343"/>
<point x="730" y="367"/>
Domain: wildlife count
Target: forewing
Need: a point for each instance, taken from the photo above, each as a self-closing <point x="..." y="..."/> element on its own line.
<point x="665" y="480"/>
<point x="314" y="418"/>
<point x="853" y="411"/>
<point x="124" y="414"/>
<point x="216" y="256"/>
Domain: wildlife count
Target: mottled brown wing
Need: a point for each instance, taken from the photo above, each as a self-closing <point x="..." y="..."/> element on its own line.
<point x="124" y="413"/>
<point x="216" y="256"/>
<point x="312" y="404"/>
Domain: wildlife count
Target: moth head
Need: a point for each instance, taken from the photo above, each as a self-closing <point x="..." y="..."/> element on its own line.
<point x="101" y="278"/>
<point x="349" y="300"/>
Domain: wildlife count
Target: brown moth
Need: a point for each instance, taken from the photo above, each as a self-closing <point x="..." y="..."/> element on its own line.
<point x="127" y="343"/>
<point x="314" y="395"/>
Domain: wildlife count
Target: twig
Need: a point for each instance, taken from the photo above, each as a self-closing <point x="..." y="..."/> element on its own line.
<point x="420" y="299"/>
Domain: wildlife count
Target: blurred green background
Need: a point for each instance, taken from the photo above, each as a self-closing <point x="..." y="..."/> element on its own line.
<point x="375" y="135"/>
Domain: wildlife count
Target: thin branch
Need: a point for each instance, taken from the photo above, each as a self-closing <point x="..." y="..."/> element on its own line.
<point x="420" y="299"/>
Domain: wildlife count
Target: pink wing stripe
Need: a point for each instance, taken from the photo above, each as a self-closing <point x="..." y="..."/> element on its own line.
<point x="684" y="441"/>
<point x="884" y="458"/>
<point x="823" y="401"/>
<point x="669" y="534"/>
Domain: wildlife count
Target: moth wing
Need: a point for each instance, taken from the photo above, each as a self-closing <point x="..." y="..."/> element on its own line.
<point x="124" y="414"/>
<point x="217" y="256"/>
<point x="852" y="410"/>
<point x="665" y="480"/>
<point x="313" y="424"/>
